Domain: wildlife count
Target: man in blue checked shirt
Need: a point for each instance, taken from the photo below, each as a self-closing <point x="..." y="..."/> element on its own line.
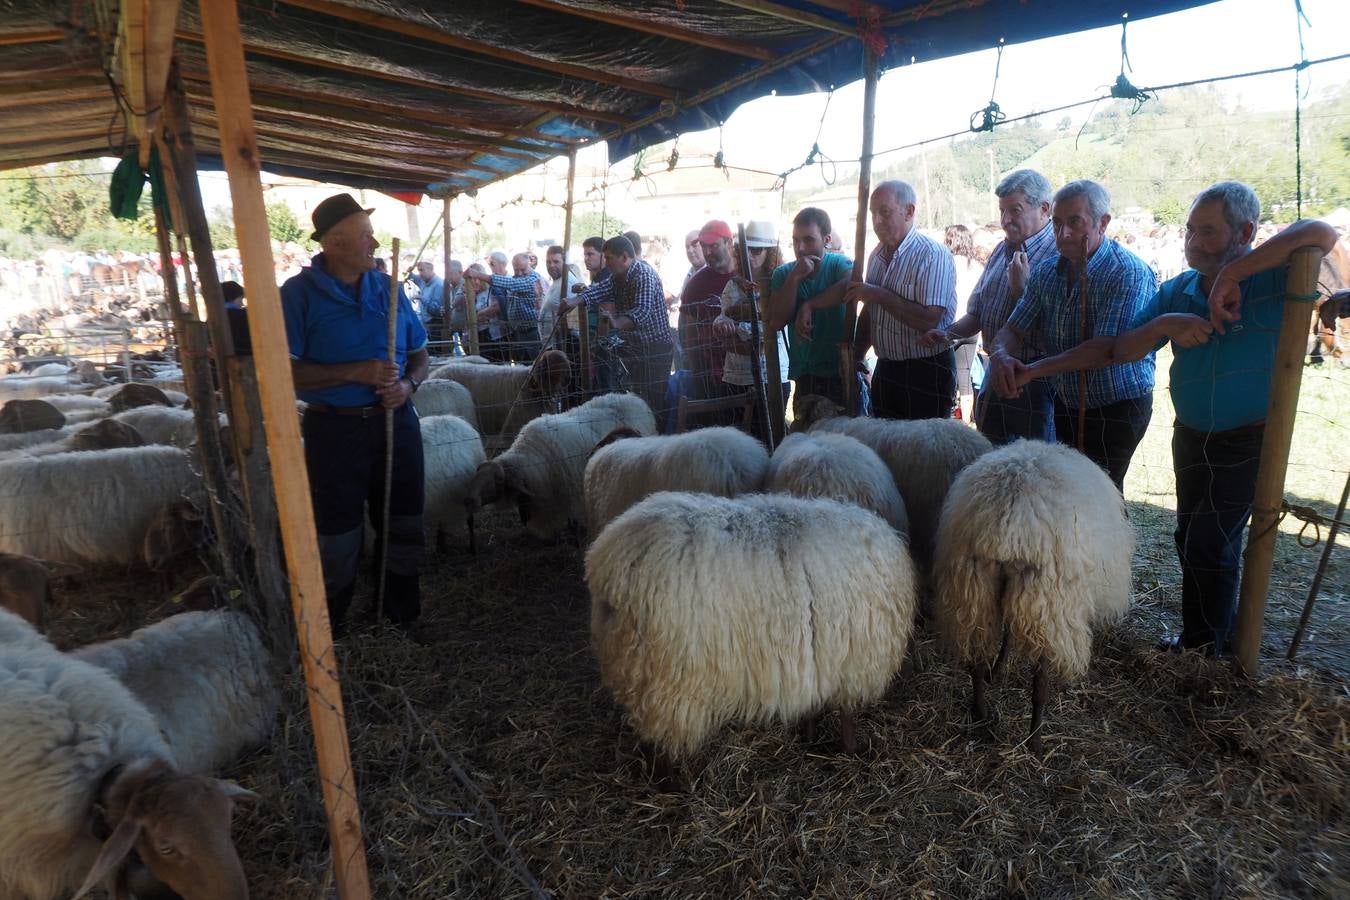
<point x="1119" y="401"/>
<point x="518" y="297"/>
<point x="1222" y="317"/>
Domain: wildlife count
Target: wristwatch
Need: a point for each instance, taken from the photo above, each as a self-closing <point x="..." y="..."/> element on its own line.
<point x="414" y="382"/>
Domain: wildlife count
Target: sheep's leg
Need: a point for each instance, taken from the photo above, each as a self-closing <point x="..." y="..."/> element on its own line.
<point x="979" y="703"/>
<point x="848" y="738"/>
<point x="1040" y="694"/>
<point x="1001" y="662"/>
<point x="473" y="536"/>
<point x="661" y="768"/>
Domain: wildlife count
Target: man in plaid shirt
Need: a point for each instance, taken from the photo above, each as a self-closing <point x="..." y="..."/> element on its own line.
<point x="633" y="304"/>
<point x="1119" y="284"/>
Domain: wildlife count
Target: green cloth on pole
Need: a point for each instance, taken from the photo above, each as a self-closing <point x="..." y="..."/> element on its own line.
<point x="125" y="191"/>
<point x="158" y="194"/>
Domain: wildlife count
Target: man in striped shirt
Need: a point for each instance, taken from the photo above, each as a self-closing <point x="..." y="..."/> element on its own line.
<point x="1119" y="401"/>
<point x="910" y="288"/>
<point x="1024" y="210"/>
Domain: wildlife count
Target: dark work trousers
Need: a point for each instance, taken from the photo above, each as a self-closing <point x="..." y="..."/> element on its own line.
<point x="345" y="458"/>
<point x="818" y="386"/>
<point x="648" y="373"/>
<point x="524" y="345"/>
<point x="1216" y="481"/>
<point x="1030" y="416"/>
<point x="1111" y="433"/>
<point x="915" y="388"/>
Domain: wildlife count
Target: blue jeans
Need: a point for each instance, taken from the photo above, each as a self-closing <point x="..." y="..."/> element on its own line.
<point x="1216" y="481"/>
<point x="1030" y="416"/>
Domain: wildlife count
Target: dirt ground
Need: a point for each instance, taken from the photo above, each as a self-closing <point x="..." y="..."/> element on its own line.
<point x="491" y="763"/>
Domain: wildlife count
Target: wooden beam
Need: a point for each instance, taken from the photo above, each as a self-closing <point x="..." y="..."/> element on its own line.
<point x="31" y="36"/>
<point x="267" y="330"/>
<point x="846" y="358"/>
<point x="1286" y="376"/>
<point x="659" y="28"/>
<point x="25" y="89"/>
<point x="161" y="20"/>
<point x="10" y="139"/>
<point x="430" y="34"/>
<point x="793" y="15"/>
<point x="851" y="8"/>
<point x="566" y="109"/>
<point x="131" y="65"/>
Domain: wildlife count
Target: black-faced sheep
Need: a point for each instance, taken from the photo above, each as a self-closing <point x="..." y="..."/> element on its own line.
<point x="79" y="756"/>
<point x="122" y="397"/>
<point x="545" y="466"/>
<point x="722" y="461"/>
<point x="707" y="610"/>
<point x="21" y="416"/>
<point x="1033" y="554"/>
<point x="838" y="467"/>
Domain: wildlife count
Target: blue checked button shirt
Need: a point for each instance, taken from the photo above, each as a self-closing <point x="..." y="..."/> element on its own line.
<point x="990" y="301"/>
<point x="515" y="294"/>
<point x="1120" y="286"/>
<point x="639" y="295"/>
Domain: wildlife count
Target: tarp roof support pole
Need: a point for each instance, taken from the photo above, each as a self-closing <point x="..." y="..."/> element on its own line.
<point x="1286" y="376"/>
<point x="470" y="297"/>
<point x="846" y="356"/>
<point x="239" y="148"/>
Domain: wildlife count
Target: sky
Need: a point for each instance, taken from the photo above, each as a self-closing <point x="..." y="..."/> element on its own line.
<point x="929" y="99"/>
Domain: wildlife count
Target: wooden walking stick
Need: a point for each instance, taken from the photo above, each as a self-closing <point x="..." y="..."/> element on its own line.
<point x="392" y="345"/>
<point x="1083" y="331"/>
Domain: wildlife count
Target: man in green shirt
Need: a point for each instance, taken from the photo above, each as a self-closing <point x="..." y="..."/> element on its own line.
<point x="797" y="293"/>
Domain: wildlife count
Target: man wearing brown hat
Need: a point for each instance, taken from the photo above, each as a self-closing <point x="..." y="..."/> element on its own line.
<point x="337" y="313"/>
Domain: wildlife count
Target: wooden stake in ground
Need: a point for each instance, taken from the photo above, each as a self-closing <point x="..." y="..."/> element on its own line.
<point x="847" y="363"/>
<point x="1320" y="573"/>
<point x="392" y="345"/>
<point x="290" y="478"/>
<point x="559" y="336"/>
<point x="1286" y="376"/>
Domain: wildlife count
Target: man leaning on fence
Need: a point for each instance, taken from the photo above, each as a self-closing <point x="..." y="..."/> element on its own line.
<point x="1222" y="317"/>
<point x="337" y="313"/>
<point x="1119" y="400"/>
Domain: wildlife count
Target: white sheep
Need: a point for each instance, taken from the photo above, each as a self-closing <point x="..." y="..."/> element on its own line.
<point x="722" y="461"/>
<point x="545" y="466"/>
<point x="90" y="507"/>
<point x="26" y="439"/>
<point x="838" y="467"/>
<point x="1033" y="554"/>
<point x="706" y="610"/>
<point x="206" y="677"/>
<point x="509" y="396"/>
<point x="161" y="424"/>
<point x="19" y="387"/>
<point x="924" y="457"/>
<point x="79" y="403"/>
<point x="452" y="451"/>
<point x="443" y="397"/>
<point x="80" y="753"/>
<point x="132" y="394"/>
<point x="52" y="368"/>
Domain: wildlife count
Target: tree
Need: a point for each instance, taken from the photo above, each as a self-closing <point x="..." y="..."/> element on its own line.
<point x="592" y="223"/>
<point x="221" y="224"/>
<point x="282" y="225"/>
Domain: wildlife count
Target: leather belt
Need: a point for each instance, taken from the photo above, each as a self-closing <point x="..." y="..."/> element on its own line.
<point x="363" y="412"/>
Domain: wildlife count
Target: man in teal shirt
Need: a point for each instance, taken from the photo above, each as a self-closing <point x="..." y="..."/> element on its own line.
<point x="1222" y="317"/>
<point x="796" y="293"/>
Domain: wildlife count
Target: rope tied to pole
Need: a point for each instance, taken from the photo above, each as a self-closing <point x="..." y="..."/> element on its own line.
<point x="1310" y="518"/>
<point x="991" y="116"/>
<point x="1122" y="89"/>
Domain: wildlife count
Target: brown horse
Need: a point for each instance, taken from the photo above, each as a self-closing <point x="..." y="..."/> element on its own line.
<point x="1329" y="334"/>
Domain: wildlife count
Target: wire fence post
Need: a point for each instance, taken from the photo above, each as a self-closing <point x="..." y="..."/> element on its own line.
<point x="1286" y="376"/>
<point x="847" y="363"/>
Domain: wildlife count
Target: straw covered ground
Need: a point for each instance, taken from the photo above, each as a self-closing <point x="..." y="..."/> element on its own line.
<point x="493" y="764"/>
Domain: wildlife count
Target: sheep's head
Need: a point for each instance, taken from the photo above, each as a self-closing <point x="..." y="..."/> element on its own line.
<point x="105" y="435"/>
<point x="18" y="416"/>
<point x="176" y="531"/>
<point x="551" y="373"/>
<point x="179" y="826"/>
<point x="134" y="394"/>
<point x="813" y="408"/>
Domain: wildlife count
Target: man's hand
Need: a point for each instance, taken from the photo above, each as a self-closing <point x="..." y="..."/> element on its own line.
<point x="805" y="320"/>
<point x="934" y="338"/>
<point x="805" y="267"/>
<point x="1003" y="375"/>
<point x="1023" y="375"/>
<point x="1019" y="270"/>
<point x="859" y="291"/>
<point x="377" y="373"/>
<point x="394" y="394"/>
<point x="723" y="327"/>
<point x="1186" y="330"/>
<point x="1225" y="302"/>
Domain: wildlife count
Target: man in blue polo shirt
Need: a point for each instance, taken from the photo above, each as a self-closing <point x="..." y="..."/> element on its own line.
<point x="337" y="312"/>
<point x="1220" y="386"/>
<point x="1119" y="401"/>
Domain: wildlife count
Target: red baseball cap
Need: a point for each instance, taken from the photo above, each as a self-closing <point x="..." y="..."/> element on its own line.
<point x="715" y="230"/>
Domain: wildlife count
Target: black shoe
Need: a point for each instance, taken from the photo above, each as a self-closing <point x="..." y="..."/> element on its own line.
<point x="1169" y="643"/>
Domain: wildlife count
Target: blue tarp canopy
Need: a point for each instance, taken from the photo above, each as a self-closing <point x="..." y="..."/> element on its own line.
<point x="443" y="97"/>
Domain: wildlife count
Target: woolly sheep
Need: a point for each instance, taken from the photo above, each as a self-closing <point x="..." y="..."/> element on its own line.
<point x="205" y="676"/>
<point x="132" y="394"/>
<point x="29" y="388"/>
<point x="452" y="451"/>
<point x="22" y="416"/>
<point x="841" y="468"/>
<point x="11" y="442"/>
<point x="81" y="751"/>
<point x="545" y="466"/>
<point x="104" y="434"/>
<point x="78" y="403"/>
<point x="90" y="507"/>
<point x="721" y="461"/>
<point x="443" y="397"/>
<point x="175" y="533"/>
<point x="924" y="457"/>
<point x="706" y="610"/>
<point x="25" y="589"/>
<point x="509" y="396"/>
<point x="1033" y="553"/>
<point x="161" y="425"/>
<point x="51" y="369"/>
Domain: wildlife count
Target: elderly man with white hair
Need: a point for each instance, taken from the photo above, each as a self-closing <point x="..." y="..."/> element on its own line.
<point x="337" y="312"/>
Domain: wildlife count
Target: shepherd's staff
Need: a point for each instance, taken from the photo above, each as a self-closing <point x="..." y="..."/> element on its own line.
<point x="756" y="338"/>
<point x="392" y="344"/>
<point x="1083" y="332"/>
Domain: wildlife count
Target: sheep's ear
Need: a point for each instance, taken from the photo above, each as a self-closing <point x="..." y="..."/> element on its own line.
<point x="235" y="792"/>
<point x="514" y="484"/>
<point x="113" y="854"/>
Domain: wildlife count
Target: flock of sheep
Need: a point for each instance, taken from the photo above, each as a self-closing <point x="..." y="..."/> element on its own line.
<point x="726" y="584"/>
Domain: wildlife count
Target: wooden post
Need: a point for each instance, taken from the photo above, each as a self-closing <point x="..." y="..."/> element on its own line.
<point x="447" y="310"/>
<point x="847" y="363"/>
<point x="773" y="368"/>
<point x="564" y="296"/>
<point x="470" y="299"/>
<point x="267" y="330"/>
<point x="1286" y="376"/>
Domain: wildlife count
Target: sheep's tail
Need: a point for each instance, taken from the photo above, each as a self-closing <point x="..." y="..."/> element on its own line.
<point x="1000" y="601"/>
<point x="618" y="434"/>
